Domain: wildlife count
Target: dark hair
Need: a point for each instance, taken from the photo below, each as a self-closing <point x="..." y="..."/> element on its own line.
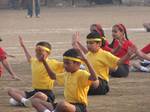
<point x="99" y="29"/>
<point x="111" y="45"/>
<point x="122" y="28"/>
<point x="1" y="39"/>
<point x="45" y="44"/>
<point x="95" y="35"/>
<point x="72" y="53"/>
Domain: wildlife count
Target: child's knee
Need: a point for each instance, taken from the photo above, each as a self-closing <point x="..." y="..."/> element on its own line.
<point x="10" y="91"/>
<point x="34" y="101"/>
<point x="63" y="106"/>
<point x="40" y="95"/>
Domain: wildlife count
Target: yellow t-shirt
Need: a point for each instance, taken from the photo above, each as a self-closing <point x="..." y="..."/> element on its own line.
<point x="76" y="86"/>
<point x="40" y="77"/>
<point x="102" y="61"/>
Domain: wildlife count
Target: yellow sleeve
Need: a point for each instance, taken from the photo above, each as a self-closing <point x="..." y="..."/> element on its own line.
<point x="60" y="79"/>
<point x="111" y="60"/>
<point x="58" y="66"/>
<point x="84" y="79"/>
<point x="31" y="60"/>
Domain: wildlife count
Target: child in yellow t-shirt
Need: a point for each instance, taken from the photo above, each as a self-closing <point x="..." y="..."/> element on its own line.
<point x="76" y="84"/>
<point x="42" y="84"/>
<point x="101" y="60"/>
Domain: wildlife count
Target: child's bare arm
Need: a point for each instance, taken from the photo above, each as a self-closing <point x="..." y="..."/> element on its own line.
<point x="27" y="54"/>
<point x="131" y="51"/>
<point x="142" y="55"/>
<point x="90" y="67"/>
<point x="77" y="43"/>
<point x="51" y="74"/>
<point x="8" y="55"/>
<point x="91" y="70"/>
<point x="9" y="69"/>
<point x="115" y="50"/>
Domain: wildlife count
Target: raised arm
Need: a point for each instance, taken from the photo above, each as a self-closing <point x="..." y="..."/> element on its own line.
<point x="28" y="56"/>
<point x="77" y="43"/>
<point x="51" y="74"/>
<point x="90" y="67"/>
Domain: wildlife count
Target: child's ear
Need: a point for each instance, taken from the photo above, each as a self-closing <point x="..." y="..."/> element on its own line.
<point x="48" y="53"/>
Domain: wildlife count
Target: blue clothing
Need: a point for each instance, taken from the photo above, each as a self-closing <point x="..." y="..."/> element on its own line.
<point x="30" y="7"/>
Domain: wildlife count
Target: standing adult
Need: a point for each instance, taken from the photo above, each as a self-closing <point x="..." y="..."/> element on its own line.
<point x="33" y="5"/>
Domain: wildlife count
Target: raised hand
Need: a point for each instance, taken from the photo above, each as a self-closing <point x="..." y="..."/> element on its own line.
<point x="27" y="54"/>
<point x="21" y="41"/>
<point x="75" y="39"/>
<point x="41" y="58"/>
<point x="15" y="77"/>
<point x="39" y="54"/>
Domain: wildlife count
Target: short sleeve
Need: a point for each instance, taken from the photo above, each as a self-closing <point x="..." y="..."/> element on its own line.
<point x="2" y="54"/>
<point x="31" y="59"/>
<point x="60" y="79"/>
<point x="84" y="79"/>
<point x="58" y="66"/>
<point x="111" y="60"/>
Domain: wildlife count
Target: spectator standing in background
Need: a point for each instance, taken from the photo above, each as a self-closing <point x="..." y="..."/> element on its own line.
<point x="33" y="5"/>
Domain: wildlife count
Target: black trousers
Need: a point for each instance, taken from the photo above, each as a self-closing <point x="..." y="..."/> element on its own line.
<point x="122" y="71"/>
<point x="102" y="89"/>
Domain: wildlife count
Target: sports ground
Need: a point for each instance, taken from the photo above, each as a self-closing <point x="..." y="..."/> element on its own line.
<point x="56" y="25"/>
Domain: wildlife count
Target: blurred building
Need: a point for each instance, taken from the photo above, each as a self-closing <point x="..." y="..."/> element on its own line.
<point x="22" y="3"/>
<point x="132" y="2"/>
<point x="17" y="3"/>
<point x="4" y="3"/>
<point x="136" y="2"/>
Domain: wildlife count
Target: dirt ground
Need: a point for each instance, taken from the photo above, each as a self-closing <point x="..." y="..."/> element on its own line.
<point x="56" y="25"/>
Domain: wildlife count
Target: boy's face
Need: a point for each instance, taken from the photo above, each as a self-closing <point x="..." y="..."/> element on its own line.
<point x="93" y="46"/>
<point x="41" y="52"/>
<point x="71" y="66"/>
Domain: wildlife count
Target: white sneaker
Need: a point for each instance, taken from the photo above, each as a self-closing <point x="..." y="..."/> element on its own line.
<point x="133" y="69"/>
<point x="13" y="102"/>
<point x="28" y="16"/>
<point x="27" y="103"/>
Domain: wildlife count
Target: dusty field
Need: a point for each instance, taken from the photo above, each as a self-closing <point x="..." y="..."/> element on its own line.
<point x="57" y="26"/>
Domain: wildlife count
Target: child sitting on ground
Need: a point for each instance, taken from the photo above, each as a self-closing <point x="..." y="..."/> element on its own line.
<point x="76" y="84"/>
<point x="42" y="84"/>
<point x="101" y="60"/>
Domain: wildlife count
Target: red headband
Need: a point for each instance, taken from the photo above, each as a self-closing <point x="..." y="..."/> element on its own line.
<point x="121" y="26"/>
